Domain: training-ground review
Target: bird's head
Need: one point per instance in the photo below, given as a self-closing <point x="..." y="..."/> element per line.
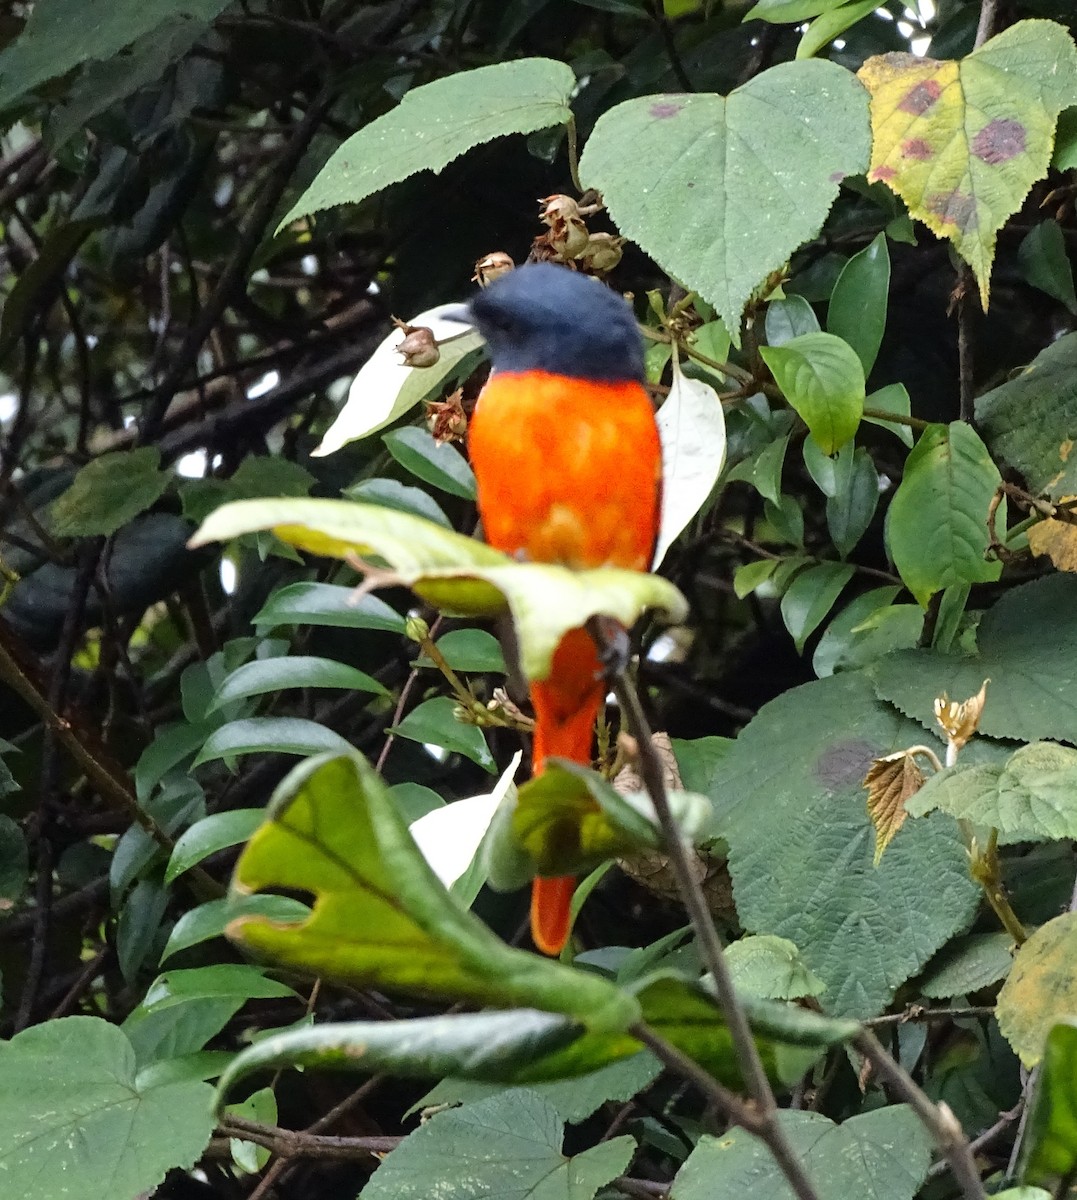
<point x="548" y="318"/>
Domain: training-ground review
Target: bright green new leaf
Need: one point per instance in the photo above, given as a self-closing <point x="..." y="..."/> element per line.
<point x="1041" y="989"/>
<point x="434" y="721"/>
<point x="72" y="1099"/>
<point x="830" y="25"/>
<point x="857" y="312"/>
<point x="789" y="12"/>
<point x="962" y="142"/>
<point x="1030" y="798"/>
<point x="1033" y="691"/>
<point x="269" y="735"/>
<point x="385" y="389"/>
<point x="883" y="1154"/>
<point x="327" y="604"/>
<point x="45" y="49"/>
<point x="436" y="123"/>
<point x="822" y="378"/>
<point x="790" y="803"/>
<point x="811" y="596"/>
<point x="108" y="492"/>
<point x="1029" y="422"/>
<point x="937" y="531"/>
<point x="382" y="918"/>
<point x="752" y="575"/>
<point x="454" y="572"/>
<point x="767" y="160"/>
<point x="292" y="671"/>
<point x="1049" y="1153"/>
<point x="505" y="1146"/>
<point x="771" y="967"/>
<point x="440" y="465"/>
<point x="212" y="833"/>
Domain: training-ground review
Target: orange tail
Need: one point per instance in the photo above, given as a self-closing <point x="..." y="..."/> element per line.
<point x="566" y="705"/>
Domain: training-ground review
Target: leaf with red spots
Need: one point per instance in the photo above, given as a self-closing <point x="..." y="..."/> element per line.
<point x="962" y="142"/>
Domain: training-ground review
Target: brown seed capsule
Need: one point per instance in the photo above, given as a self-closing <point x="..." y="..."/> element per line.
<point x="419" y="347"/>
<point x="602" y="253"/>
<point x="491" y="267"/>
<point x="446" y="418"/>
<point x="558" y="208"/>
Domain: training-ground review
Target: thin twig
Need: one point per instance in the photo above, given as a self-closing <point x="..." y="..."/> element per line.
<point x="764" y="1118"/>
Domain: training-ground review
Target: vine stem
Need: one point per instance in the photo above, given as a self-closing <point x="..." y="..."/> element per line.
<point x="761" y="1117"/>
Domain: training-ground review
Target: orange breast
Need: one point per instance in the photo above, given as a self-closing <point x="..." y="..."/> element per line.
<point x="569" y="470"/>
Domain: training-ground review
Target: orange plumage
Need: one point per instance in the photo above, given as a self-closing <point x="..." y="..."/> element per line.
<point x="569" y="472"/>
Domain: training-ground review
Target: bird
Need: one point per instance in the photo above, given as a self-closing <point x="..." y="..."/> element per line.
<point x="568" y="466"/>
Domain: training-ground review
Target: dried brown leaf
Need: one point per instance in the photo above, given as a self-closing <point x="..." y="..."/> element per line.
<point x="960" y="720"/>
<point x="890" y="781"/>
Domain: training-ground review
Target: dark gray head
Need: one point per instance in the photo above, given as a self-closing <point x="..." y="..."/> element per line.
<point x="544" y="317"/>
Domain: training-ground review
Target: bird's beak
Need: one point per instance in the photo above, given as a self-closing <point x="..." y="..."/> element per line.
<point x="460" y="313"/>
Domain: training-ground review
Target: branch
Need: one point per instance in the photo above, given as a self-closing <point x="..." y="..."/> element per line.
<point x="762" y="1118"/>
<point x="293" y="1143"/>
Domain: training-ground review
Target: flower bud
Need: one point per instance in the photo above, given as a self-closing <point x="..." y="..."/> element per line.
<point x="491" y="267"/>
<point x="416" y="629"/>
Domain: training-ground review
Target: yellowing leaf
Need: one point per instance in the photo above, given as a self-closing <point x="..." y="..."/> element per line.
<point x="890" y="781"/>
<point x="1041" y="989"/>
<point x="962" y="142"/>
<point x="1056" y="539"/>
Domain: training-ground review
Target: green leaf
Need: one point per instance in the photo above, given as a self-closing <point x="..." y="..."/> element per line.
<point x="385" y="389"/>
<point x="568" y="819"/>
<point x="1049" y="1152"/>
<point x="771" y="967"/>
<point x="691" y="423"/>
<point x="766" y="476"/>
<point x="469" y="650"/>
<point x="414" y="800"/>
<point x="937" y="525"/>
<point x="789" y="12"/>
<point x="46" y="49"/>
<point x="789" y="318"/>
<point x="1041" y="989"/>
<point x="1033" y="691"/>
<point x="796" y="826"/>
<point x="457" y="573"/>
<point x="507" y="1145"/>
<point x="962" y="142"/>
<point x="259" y="1106"/>
<point x="71" y="1098"/>
<point x="269" y="735"/>
<point x="892" y="398"/>
<point x="327" y="604"/>
<point x="434" y="721"/>
<point x="442" y="466"/>
<point x="752" y="575"/>
<point x="1044" y="264"/>
<point x="1029" y="421"/>
<point x="382" y="917"/>
<point x="1030" y="798"/>
<point x="1065" y="153"/>
<point x="967" y="964"/>
<point x="810" y="597"/>
<point x="209" y="920"/>
<point x="14" y="863"/>
<point x="109" y="492"/>
<point x="574" y="1100"/>
<point x="841" y="647"/>
<point x="226" y="981"/>
<point x="883" y="1154"/>
<point x="257" y="475"/>
<point x="857" y="312"/>
<point x="436" y="123"/>
<point x="653" y="157"/>
<point x="830" y="25"/>
<point x="391" y="493"/>
<point x="849" y="512"/>
<point x="821" y="377"/>
<point x="212" y="833"/>
<point x="786" y="519"/>
<point x="830" y="474"/>
<point x="138" y="925"/>
<point x="292" y="671"/>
